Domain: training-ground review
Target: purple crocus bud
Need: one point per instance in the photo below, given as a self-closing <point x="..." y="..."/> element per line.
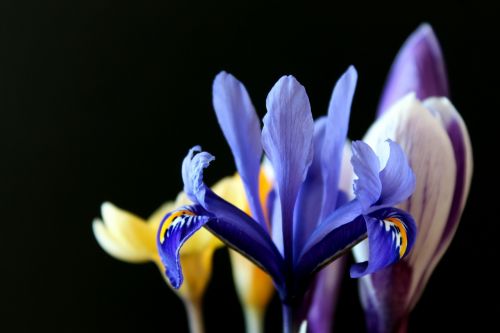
<point x="419" y="68"/>
<point x="436" y="141"/>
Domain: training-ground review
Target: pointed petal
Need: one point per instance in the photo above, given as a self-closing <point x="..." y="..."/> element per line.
<point x="419" y="67"/>
<point x="397" y="177"/>
<point x="391" y="235"/>
<point x="129" y="229"/>
<point x="241" y="127"/>
<point x="325" y="295"/>
<point x="309" y="202"/>
<point x="462" y="149"/>
<point x="287" y="138"/>
<point x="116" y="248"/>
<point x="366" y="166"/>
<point x="337" y="125"/>
<point x="231" y="225"/>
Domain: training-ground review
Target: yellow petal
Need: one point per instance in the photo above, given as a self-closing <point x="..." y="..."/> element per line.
<point x="197" y="270"/>
<point x="129" y="230"/>
<point x="116" y="248"/>
<point x="254" y="287"/>
<point x="231" y="189"/>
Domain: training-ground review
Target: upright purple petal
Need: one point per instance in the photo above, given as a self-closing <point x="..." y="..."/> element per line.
<point x="367" y="189"/>
<point x="309" y="202"/>
<point x="241" y="127"/>
<point x="397" y="177"/>
<point x="287" y="138"/>
<point x="366" y="165"/>
<point x="233" y="226"/>
<point x="337" y="125"/>
<point x="419" y="67"/>
<point x="391" y="235"/>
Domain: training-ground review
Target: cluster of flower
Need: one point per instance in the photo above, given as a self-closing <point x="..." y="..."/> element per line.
<point x="304" y="196"/>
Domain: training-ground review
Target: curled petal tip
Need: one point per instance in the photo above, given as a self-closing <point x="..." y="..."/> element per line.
<point x="192" y="173"/>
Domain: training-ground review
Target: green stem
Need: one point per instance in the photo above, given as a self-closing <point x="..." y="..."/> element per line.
<point x="195" y="316"/>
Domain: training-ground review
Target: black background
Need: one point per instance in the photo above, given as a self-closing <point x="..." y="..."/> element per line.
<point x="100" y="100"/>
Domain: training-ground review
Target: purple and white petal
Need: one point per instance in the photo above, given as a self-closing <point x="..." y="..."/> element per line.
<point x="462" y="149"/>
<point x="430" y="154"/>
<point x="419" y="68"/>
<point x="287" y="138"/>
<point x="241" y="127"/>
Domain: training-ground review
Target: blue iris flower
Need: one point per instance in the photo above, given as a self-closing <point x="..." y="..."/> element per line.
<point x="312" y="222"/>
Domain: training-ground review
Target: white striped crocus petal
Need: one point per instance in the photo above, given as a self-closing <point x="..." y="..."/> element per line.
<point x="437" y="143"/>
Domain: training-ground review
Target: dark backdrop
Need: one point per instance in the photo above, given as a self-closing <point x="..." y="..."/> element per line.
<point x="100" y="100"/>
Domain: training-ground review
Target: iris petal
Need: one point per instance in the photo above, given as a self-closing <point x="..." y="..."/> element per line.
<point x="230" y="224"/>
<point x="287" y="138"/>
<point x="391" y="235"/>
<point x="184" y="222"/>
<point x="462" y="149"/>
<point x="337" y="125"/>
<point x="241" y="127"/>
<point x="366" y="165"/>
<point x="397" y="177"/>
<point x="329" y="248"/>
<point x="308" y="207"/>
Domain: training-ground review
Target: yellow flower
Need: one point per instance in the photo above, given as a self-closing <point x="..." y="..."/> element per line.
<point x="132" y="239"/>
